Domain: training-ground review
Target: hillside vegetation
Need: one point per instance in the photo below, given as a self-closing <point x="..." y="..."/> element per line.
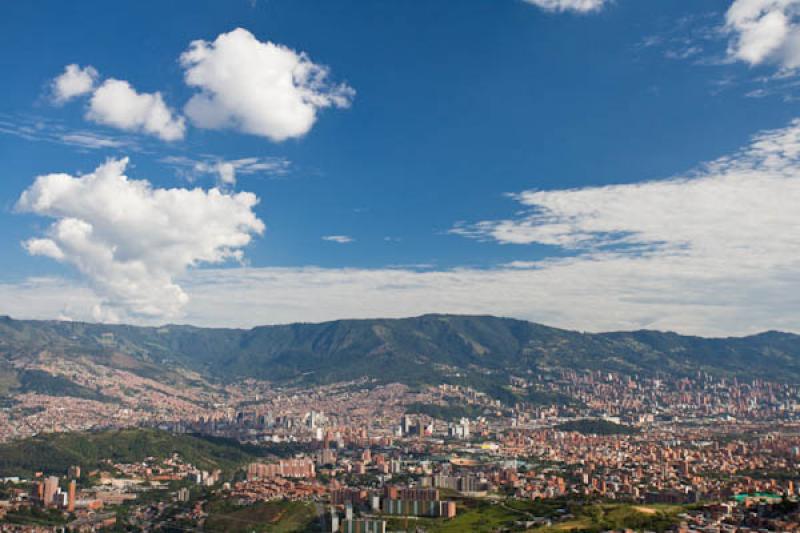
<point x="478" y="350"/>
<point x="54" y="453"/>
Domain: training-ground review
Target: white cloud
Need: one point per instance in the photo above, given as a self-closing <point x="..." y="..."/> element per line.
<point x="226" y="171"/>
<point x="47" y="297"/>
<point x="115" y="103"/>
<point x="38" y="129"/>
<point x="724" y="210"/>
<point x="90" y="140"/>
<point x="45" y="247"/>
<point x="131" y="240"/>
<point x="598" y="294"/>
<point x="257" y="87"/>
<point x="580" y="6"/>
<point x="601" y="293"/>
<point x="765" y="31"/>
<point x="340" y="239"/>
<point x="725" y="227"/>
<point x="273" y="166"/>
<point x="74" y="81"/>
<point x="712" y="253"/>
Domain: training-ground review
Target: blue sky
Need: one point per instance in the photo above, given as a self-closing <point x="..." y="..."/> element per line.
<point x="406" y="192"/>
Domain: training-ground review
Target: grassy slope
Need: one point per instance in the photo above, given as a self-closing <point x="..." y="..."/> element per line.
<point x="54" y="453"/>
<point x="481" y="516"/>
<point x="485" y="517"/>
<point x="604" y="517"/>
<point x="45" y="383"/>
<point x="275" y="517"/>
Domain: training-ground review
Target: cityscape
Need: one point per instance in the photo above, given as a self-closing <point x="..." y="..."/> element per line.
<point x="696" y="453"/>
<point x="392" y="266"/>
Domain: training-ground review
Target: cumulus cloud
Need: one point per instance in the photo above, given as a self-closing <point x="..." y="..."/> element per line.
<point x="74" y="81"/>
<point x="711" y="253"/>
<point x="339" y="239"/>
<point x="256" y="87"/>
<point x="131" y="240"/>
<point x="261" y="88"/>
<point x="579" y="6"/>
<point x="115" y="103"/>
<point x="765" y="31"/>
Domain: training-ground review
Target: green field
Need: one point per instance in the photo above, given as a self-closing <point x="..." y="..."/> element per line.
<point x="481" y="516"/>
<point x="275" y="517"/>
<point x="603" y="517"/>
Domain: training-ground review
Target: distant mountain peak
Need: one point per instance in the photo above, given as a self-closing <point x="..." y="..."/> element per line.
<point x="432" y="348"/>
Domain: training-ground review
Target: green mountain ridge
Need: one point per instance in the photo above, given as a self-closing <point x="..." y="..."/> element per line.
<point x="480" y="350"/>
<point x="54" y="453"/>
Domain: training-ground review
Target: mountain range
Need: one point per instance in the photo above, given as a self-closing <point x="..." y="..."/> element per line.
<point x="480" y="350"/>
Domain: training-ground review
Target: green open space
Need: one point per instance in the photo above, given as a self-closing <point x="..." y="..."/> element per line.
<point x="275" y="517"/>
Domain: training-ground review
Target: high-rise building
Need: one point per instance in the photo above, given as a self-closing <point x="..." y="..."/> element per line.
<point x="347" y="496"/>
<point x="406" y="424"/>
<point x="430" y="508"/>
<point x="71" y="497"/>
<point x="364" y="526"/>
<point x="334" y="520"/>
<point x="302" y="468"/>
<point x="417" y="494"/>
<point x="447" y="509"/>
<point x="50" y="490"/>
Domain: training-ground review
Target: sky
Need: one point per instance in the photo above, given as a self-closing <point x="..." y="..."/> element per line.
<point x="588" y="164"/>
